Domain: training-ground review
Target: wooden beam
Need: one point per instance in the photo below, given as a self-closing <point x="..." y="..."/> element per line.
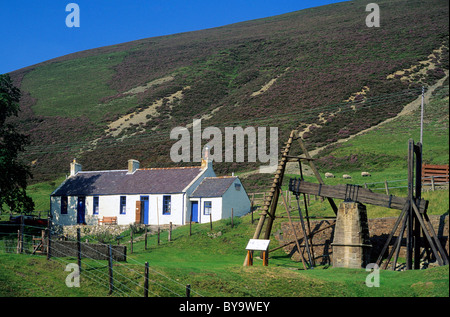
<point x="295" y="234"/>
<point x="316" y="172"/>
<point x="297" y="158"/>
<point x="301" y="239"/>
<point x="358" y="194"/>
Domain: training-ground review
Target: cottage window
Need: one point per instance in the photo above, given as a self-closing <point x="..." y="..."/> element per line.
<point x="166" y="205"/>
<point x="207" y="208"/>
<point x="63" y="205"/>
<point x="237" y="186"/>
<point x="95" y="205"/>
<point x="123" y="204"/>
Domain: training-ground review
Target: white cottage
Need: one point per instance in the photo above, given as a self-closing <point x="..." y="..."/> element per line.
<point x="218" y="197"/>
<point x="147" y="195"/>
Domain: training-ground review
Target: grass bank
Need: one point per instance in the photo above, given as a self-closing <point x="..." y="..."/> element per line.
<point x="211" y="262"/>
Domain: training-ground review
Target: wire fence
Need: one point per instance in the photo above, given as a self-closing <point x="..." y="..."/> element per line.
<point x="428" y="183"/>
<point x="130" y="278"/>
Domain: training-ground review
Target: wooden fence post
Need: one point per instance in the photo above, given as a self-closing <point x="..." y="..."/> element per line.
<point x="251" y="209"/>
<point x="386" y="187"/>
<point x="146" y="280"/>
<point x="210" y="220"/>
<point x="232" y="218"/>
<point x="131" y="241"/>
<point x="169" y="238"/>
<point x="190" y="224"/>
<point x="18" y="242"/>
<point x="145" y="235"/>
<point x="79" y="249"/>
<point x="43" y="239"/>
<point x="110" y="267"/>
<point x="22" y="228"/>
<point x="20" y="236"/>
<point x="49" y="238"/>
<point x="188" y="290"/>
<point x="159" y="233"/>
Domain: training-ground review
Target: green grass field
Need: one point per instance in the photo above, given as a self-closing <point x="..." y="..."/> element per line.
<point x="211" y="262"/>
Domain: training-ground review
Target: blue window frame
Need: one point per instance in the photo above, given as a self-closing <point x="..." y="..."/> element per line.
<point x="95" y="205"/>
<point x="207" y="207"/>
<point x="123" y="204"/>
<point x="166" y="205"/>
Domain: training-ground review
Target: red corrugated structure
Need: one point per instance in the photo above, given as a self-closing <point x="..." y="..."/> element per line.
<point x="439" y="173"/>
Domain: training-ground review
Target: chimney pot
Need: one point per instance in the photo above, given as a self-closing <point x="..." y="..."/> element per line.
<point x="74" y="167"/>
<point x="133" y="165"/>
<point x="206" y="160"/>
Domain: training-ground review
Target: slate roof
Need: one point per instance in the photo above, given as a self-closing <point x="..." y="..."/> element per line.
<point x="142" y="181"/>
<point x="213" y="186"/>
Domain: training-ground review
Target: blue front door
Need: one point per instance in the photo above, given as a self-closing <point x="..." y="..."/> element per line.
<point x="194" y="211"/>
<point x="81" y="210"/>
<point x="144" y="207"/>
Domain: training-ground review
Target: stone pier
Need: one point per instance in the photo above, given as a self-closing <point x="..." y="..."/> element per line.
<point x="351" y="244"/>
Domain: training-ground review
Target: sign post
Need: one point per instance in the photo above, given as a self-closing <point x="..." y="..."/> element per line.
<point x="257" y="245"/>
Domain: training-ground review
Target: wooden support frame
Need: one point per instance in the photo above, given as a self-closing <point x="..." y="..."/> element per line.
<point x="271" y="202"/>
<point x="414" y="220"/>
<point x="413" y="217"/>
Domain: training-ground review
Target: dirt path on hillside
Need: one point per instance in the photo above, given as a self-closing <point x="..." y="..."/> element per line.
<point x="408" y="109"/>
<point x="292" y="168"/>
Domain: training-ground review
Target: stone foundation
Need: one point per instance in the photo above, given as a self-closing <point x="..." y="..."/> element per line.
<point x="351" y="243"/>
<point x="70" y="232"/>
<point x="379" y="229"/>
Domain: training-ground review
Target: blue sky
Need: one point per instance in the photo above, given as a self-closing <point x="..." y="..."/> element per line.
<point x="35" y="31"/>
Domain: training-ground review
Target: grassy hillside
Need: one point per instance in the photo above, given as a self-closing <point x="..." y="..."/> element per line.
<point x="320" y="70"/>
<point x="385" y="147"/>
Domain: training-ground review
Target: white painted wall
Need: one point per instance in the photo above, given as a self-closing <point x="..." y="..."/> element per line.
<point x="156" y="215"/>
<point x="208" y="172"/>
<point x="221" y="206"/>
<point x="109" y="206"/>
<point x="216" y="209"/>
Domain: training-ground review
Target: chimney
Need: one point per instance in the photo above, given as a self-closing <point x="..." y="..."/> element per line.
<point x="74" y="167"/>
<point x="133" y="165"/>
<point x="206" y="160"/>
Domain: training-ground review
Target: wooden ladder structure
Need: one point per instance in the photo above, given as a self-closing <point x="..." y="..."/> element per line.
<point x="271" y="201"/>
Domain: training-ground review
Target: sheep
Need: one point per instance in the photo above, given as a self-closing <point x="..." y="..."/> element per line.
<point x="329" y="175"/>
<point x="346" y="176"/>
<point x="365" y="174"/>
